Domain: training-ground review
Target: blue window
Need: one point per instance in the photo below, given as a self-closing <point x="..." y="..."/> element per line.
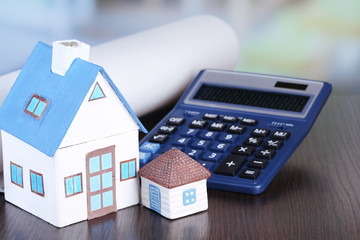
<point x="155" y="198"/>
<point x="73" y="185"/>
<point x="16" y="174"/>
<point x="37" y="183"/>
<point x="37" y="106"/>
<point x="128" y="169"/>
<point x="189" y="196"/>
<point x="97" y="93"/>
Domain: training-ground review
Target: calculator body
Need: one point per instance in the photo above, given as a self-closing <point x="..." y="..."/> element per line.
<point x="242" y="127"/>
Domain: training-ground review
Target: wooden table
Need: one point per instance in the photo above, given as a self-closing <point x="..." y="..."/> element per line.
<point x="316" y="195"/>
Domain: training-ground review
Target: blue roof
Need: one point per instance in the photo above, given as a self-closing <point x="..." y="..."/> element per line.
<point x="65" y="94"/>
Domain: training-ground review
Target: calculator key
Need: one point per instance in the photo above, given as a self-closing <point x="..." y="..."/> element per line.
<point x="211" y="156"/>
<point x="190" y="133"/>
<point x="260" y="132"/>
<point x="159" y="138"/>
<point x="215" y="126"/>
<point x="207" y="135"/>
<point x="220" y="147"/>
<point x="253" y="141"/>
<point x="209" y="166"/>
<point x="249" y="121"/>
<point x="150" y="147"/>
<point x="236" y="129"/>
<point x="231" y="165"/>
<point x="243" y="150"/>
<point x="167" y="129"/>
<point x="258" y="163"/>
<point x="211" y="116"/>
<point x="181" y="141"/>
<point x="281" y="135"/>
<point x="249" y="173"/>
<point x="144" y="156"/>
<point x="177" y="121"/>
<point x="198" y="124"/>
<point x="265" y="153"/>
<point x="200" y="144"/>
<point x="227" y="137"/>
<point x="273" y="144"/>
<point x="230" y="119"/>
<point x="194" y="153"/>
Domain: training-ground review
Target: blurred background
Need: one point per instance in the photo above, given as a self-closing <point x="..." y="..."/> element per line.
<point x="313" y="39"/>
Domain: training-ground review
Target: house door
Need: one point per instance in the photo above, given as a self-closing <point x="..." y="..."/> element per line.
<point x="155" y="198"/>
<point x="101" y="191"/>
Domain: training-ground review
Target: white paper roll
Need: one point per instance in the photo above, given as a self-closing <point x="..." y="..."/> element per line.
<point x="152" y="68"/>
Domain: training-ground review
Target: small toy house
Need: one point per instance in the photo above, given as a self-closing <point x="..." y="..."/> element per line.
<point x="174" y="185"/>
<point x="70" y="139"/>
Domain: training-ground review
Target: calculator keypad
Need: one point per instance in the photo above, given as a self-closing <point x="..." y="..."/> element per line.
<point x="228" y="145"/>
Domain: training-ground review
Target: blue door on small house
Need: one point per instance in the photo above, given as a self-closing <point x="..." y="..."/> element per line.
<point x="155" y="198"/>
<point x="100" y="165"/>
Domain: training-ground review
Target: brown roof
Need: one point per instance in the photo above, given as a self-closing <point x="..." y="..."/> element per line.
<point x="174" y="168"/>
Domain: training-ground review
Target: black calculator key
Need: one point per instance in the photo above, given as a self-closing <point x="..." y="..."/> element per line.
<point x="177" y="121"/>
<point x="167" y="129"/>
<point x="159" y="138"/>
<point x="258" y="163"/>
<point x="260" y="132"/>
<point x="211" y="116"/>
<point x="198" y="124"/>
<point x="216" y="126"/>
<point x="281" y="135"/>
<point x="253" y="141"/>
<point x="231" y="165"/>
<point x="265" y="153"/>
<point x="249" y="173"/>
<point x="230" y="119"/>
<point x="249" y="121"/>
<point x="236" y="129"/>
<point x="243" y="150"/>
<point x="273" y="144"/>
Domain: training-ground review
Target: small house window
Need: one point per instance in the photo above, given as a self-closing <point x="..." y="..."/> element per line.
<point x="36" y="106"/>
<point x="73" y="185"/>
<point x="97" y="93"/>
<point x="37" y="183"/>
<point x="128" y="169"/>
<point x="189" y="196"/>
<point x="16" y="174"/>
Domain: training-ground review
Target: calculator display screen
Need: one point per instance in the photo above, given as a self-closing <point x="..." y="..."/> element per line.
<point x="254" y="98"/>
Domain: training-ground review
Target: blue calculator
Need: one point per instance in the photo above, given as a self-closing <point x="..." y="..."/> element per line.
<point x="242" y="127"/>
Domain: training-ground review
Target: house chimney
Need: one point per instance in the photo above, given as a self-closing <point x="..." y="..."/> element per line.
<point x="65" y="52"/>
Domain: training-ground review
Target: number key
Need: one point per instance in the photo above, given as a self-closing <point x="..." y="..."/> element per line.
<point x="220" y="147"/>
<point x="190" y="133"/>
<point x="201" y="144"/>
<point x="181" y="141"/>
<point x="207" y="135"/>
<point x="211" y="156"/>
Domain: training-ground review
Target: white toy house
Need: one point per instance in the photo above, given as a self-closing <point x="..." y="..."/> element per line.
<point x="174" y="185"/>
<point x="70" y="139"/>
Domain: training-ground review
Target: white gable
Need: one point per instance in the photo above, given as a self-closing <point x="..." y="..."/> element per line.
<point x="99" y="118"/>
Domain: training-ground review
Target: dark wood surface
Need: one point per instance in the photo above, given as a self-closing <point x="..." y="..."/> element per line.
<point x="316" y="195"/>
